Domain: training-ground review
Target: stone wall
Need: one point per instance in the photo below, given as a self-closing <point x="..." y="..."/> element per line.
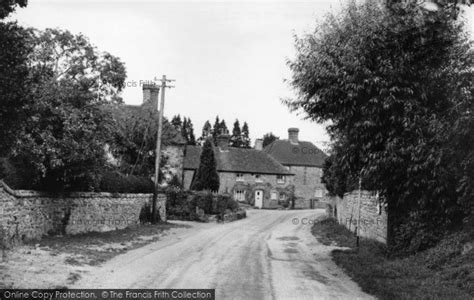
<point x="373" y="216"/>
<point x="29" y="215"/>
<point x="306" y="181"/>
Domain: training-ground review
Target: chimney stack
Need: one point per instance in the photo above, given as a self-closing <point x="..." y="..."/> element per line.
<point x="223" y="141"/>
<point x="258" y="144"/>
<point x="293" y="135"/>
<point x="150" y="94"/>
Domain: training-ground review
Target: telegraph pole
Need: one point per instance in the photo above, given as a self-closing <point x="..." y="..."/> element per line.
<point x="158" y="143"/>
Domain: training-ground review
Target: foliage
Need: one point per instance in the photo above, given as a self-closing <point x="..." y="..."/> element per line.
<point x="182" y="204"/>
<point x="205" y="201"/>
<point x="116" y="182"/>
<point x="8" y="6"/>
<point x="185" y="127"/>
<point x="442" y="272"/>
<point x="225" y="203"/>
<point x="134" y="138"/>
<point x="178" y="204"/>
<point x="61" y="143"/>
<point x="245" y="136"/>
<point x="395" y="84"/>
<point x="14" y="82"/>
<point x="207" y="177"/>
<point x="236" y="138"/>
<point x="206" y="133"/>
<point x="269" y="138"/>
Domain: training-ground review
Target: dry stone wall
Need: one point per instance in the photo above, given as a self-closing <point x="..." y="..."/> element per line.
<point x="29" y="215"/>
<point x="372" y="219"/>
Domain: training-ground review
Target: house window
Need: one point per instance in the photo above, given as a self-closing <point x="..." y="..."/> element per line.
<point x="239" y="177"/>
<point x="258" y="178"/>
<point x="280" y="179"/>
<point x="318" y="193"/>
<point x="239" y="195"/>
<point x="273" y="196"/>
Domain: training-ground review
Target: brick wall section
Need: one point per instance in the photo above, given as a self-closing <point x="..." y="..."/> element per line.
<point x="373" y="216"/>
<point x="29" y="215"/>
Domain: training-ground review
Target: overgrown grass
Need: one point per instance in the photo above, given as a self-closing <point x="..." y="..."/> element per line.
<point x="443" y="272"/>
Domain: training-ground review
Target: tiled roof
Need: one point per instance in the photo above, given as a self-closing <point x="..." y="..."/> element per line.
<point x="301" y="154"/>
<point x="237" y="160"/>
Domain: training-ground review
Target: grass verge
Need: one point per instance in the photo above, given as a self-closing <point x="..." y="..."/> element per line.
<point x="443" y="272"/>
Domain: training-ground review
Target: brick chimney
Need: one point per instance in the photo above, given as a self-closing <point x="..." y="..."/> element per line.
<point x="150" y="94"/>
<point x="293" y="135"/>
<point x="223" y="141"/>
<point x="258" y="144"/>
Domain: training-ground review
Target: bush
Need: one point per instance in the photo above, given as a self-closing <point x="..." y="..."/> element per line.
<point x="179" y="204"/>
<point x="116" y="182"/>
<point x="145" y="213"/>
<point x="204" y="201"/>
<point x="225" y="202"/>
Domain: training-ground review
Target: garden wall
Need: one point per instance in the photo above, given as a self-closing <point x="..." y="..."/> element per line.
<point x="373" y="216"/>
<point x="29" y="215"/>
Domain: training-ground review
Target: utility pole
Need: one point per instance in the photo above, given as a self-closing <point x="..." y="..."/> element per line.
<point x="158" y="143"/>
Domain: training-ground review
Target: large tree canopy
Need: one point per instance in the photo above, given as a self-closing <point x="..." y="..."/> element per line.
<point x="14" y="82"/>
<point x="8" y="6"/>
<point x="395" y="82"/>
<point x="62" y="141"/>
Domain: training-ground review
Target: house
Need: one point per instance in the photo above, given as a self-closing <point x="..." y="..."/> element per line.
<point x="305" y="161"/>
<point x="250" y="175"/>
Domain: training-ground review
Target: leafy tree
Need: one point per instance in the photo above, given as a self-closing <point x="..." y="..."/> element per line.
<point x="216" y="129"/>
<point x="62" y="141"/>
<point x="236" y="138"/>
<point x="269" y="138"/>
<point x="395" y="82"/>
<point x="223" y="128"/>
<point x="15" y="82"/>
<point x="206" y="132"/>
<point x="245" y="136"/>
<point x="187" y="131"/>
<point x="8" y="6"/>
<point x="190" y="137"/>
<point x="176" y="122"/>
<point x="134" y="139"/>
<point x="207" y="177"/>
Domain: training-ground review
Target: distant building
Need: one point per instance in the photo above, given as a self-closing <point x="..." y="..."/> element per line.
<point x="305" y="161"/>
<point x="250" y="175"/>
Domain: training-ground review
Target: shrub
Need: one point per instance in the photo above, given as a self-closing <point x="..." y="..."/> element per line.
<point x="145" y="213"/>
<point x="179" y="204"/>
<point x="204" y="200"/>
<point x="225" y="202"/>
<point x="116" y="182"/>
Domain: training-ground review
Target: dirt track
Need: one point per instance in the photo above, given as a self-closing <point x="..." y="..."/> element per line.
<point x="262" y="257"/>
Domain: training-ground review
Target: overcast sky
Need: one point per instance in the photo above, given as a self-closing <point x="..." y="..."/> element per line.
<point x="228" y="58"/>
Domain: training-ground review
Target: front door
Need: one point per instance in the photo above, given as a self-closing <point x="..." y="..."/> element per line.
<point x="259" y="198"/>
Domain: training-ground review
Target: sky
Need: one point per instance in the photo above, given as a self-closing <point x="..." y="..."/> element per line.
<point x="228" y="57"/>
